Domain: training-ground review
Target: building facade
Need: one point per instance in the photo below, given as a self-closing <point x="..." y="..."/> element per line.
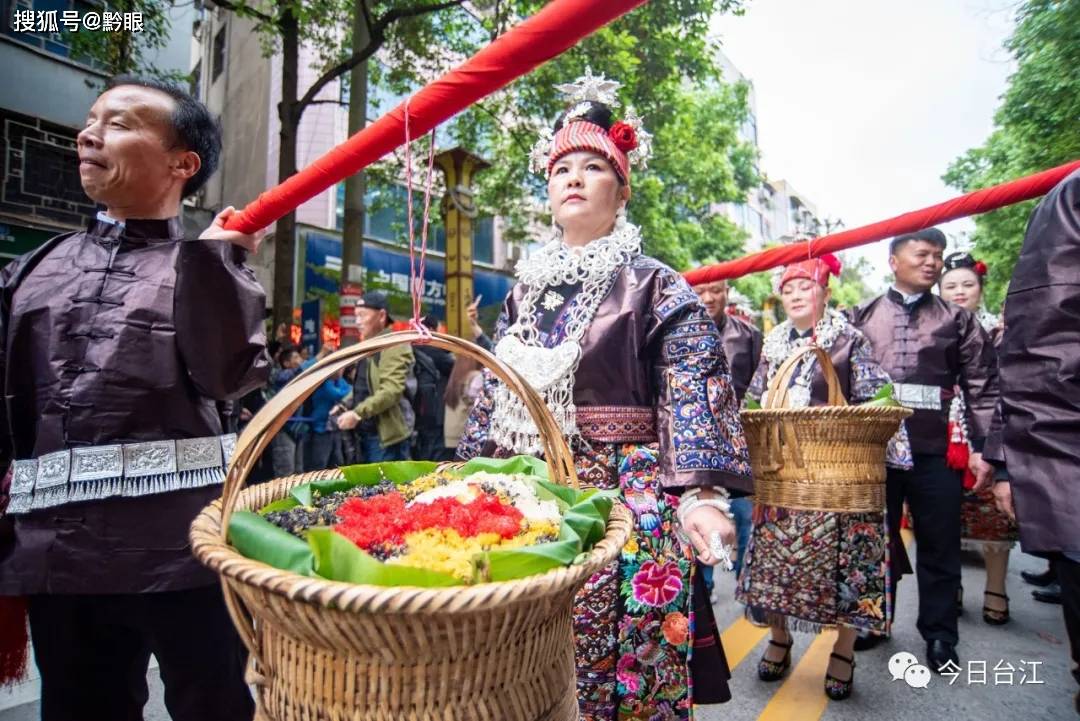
<point x="44" y="99"/>
<point x="773" y="212"/>
<point x="242" y="85"/>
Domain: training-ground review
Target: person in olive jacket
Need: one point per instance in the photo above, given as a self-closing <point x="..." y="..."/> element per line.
<point x="387" y="375"/>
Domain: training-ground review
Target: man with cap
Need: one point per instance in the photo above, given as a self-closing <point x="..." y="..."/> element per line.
<point x="928" y="347"/>
<point x="386" y="375"/>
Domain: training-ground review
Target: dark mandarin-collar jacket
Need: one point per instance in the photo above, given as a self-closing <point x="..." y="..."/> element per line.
<point x="934" y="343"/>
<point x="742" y="346"/>
<point x="120" y="334"/>
<point x="1038" y="428"/>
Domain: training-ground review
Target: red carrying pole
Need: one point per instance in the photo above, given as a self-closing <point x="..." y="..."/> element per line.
<point x="979" y="201"/>
<point x="552" y="31"/>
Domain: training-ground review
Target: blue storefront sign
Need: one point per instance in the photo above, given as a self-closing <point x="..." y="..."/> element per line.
<point x="388" y="270"/>
<point x="311" y="325"/>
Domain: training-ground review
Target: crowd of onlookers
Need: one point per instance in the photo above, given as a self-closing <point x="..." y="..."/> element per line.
<point x="403" y="403"/>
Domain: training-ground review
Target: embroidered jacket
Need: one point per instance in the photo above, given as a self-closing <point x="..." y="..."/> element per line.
<point x="860" y="376"/>
<point x="650" y="346"/>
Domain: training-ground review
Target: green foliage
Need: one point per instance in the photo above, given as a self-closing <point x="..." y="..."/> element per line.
<point x="851" y="287"/>
<point x="661" y="53"/>
<point x="1037" y="126"/>
<point x="125" y="52"/>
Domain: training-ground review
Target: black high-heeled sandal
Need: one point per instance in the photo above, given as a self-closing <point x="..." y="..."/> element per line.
<point x="993" y="616"/>
<point x="836" y="689"/>
<point x="774" y="670"/>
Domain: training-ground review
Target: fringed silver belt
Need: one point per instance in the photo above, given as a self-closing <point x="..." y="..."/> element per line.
<point x="129" y="469"/>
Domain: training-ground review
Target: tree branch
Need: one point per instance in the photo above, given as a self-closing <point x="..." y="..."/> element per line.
<point x="378" y="37"/>
<point x="412" y="11"/>
<point x="329" y="102"/>
<point x="367" y="15"/>
<point x="243" y="10"/>
<point x="515" y="134"/>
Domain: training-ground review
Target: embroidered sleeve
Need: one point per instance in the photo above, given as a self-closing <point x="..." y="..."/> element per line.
<point x="867" y="378"/>
<point x="701" y="437"/>
<point x="475" y="437"/>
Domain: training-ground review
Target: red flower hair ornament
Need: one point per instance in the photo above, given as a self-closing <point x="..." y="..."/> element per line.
<point x="980" y="268"/>
<point x="624" y="136"/>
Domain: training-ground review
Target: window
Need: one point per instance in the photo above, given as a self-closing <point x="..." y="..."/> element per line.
<point x="219" y="53"/>
<point x="344" y="87"/>
<point x="484" y="240"/>
<point x="386" y="217"/>
<point x="339" y="206"/>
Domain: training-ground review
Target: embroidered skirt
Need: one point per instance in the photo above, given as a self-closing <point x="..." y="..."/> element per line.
<point x="817" y="569"/>
<point x="983" y="526"/>
<point x="646" y="640"/>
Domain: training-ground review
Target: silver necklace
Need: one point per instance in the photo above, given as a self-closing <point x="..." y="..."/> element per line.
<point x="551" y="371"/>
<point x="778" y="346"/>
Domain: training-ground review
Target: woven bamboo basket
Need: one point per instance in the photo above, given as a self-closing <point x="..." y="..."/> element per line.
<point x="327" y="650"/>
<point x="822" y="458"/>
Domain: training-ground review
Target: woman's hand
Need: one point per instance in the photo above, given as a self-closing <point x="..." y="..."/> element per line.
<point x="700" y="525"/>
<point x="472" y="312"/>
<point x="1003" y="499"/>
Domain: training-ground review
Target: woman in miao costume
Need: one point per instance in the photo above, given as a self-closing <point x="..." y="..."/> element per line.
<point x="811" y="570"/>
<point x="631" y="366"/>
<point x="982" y="526"/>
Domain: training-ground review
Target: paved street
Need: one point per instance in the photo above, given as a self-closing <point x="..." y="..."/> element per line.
<point x="1036" y="633"/>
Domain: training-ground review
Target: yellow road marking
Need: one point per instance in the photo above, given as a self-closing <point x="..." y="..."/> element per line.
<point x="739" y="639"/>
<point x="802" y="695"/>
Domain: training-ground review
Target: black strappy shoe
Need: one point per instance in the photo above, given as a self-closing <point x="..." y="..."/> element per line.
<point x="993" y="616"/>
<point x="774" y="670"/>
<point x="836" y="689"/>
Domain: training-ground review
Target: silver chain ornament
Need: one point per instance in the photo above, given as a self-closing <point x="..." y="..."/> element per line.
<point x="551" y="371"/>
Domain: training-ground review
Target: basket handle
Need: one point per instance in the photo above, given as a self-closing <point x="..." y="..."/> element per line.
<point x="272" y="416"/>
<point x="777" y="396"/>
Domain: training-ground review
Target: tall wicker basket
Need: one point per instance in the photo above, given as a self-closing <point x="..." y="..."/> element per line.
<point x="824" y="458"/>
<point x="327" y="650"/>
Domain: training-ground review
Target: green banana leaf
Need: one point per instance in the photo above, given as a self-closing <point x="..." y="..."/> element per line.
<point x="883" y="398"/>
<point x="258" y="539"/>
<point x="282" y="504"/>
<point x="329" y="555"/>
<point x="528" y="465"/>
<point x="582" y="526"/>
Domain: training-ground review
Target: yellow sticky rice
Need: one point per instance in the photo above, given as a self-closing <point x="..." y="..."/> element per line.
<point x="445" y="550"/>
<point x="425" y="483"/>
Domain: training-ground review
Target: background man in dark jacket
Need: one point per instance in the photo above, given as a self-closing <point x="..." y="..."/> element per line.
<point x="1036" y="432"/>
<point x="929" y="347"/>
<point x="117" y="342"/>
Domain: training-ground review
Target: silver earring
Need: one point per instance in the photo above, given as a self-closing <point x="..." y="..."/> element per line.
<point x="620" y="216"/>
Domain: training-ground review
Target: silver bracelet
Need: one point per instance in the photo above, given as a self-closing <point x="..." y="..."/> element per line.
<point x="721" y="504"/>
